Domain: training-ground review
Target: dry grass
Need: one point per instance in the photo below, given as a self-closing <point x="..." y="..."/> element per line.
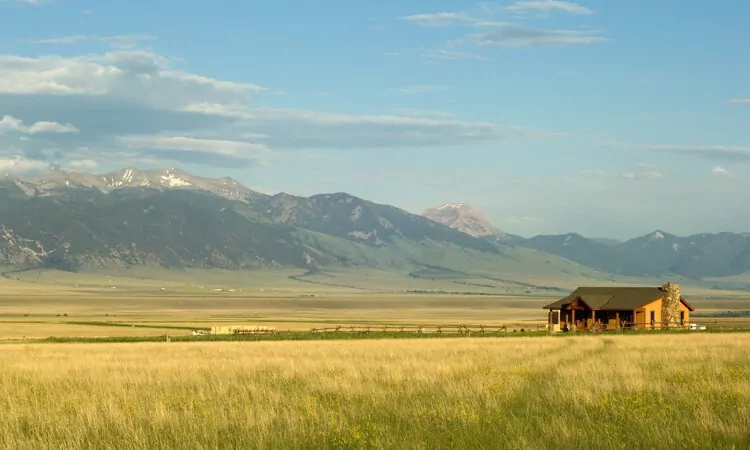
<point x="662" y="391"/>
<point x="25" y="330"/>
<point x="45" y="314"/>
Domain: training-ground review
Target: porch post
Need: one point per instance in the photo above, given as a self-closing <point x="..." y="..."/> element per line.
<point x="617" y="318"/>
<point x="573" y="319"/>
<point x="593" y="319"/>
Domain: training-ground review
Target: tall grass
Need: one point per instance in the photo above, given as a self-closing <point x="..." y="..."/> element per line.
<point x="650" y="391"/>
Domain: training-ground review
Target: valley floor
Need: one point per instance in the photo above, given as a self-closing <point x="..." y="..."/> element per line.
<point x="57" y="304"/>
<point x="689" y="390"/>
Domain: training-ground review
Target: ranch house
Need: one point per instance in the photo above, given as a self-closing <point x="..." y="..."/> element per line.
<point x="610" y="308"/>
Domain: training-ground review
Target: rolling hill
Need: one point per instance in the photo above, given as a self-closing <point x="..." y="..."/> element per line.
<point x="170" y="219"/>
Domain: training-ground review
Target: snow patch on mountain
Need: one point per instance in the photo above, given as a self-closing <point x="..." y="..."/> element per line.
<point x="356" y="214"/>
<point x="171" y="180"/>
<point x="451" y="205"/>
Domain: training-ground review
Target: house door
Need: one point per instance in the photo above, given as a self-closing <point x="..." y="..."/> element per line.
<point x="640" y="318"/>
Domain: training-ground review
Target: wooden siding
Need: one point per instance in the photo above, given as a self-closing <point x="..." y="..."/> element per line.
<point x="655" y="307"/>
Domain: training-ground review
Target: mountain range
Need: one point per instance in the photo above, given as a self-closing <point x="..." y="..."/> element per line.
<point x="656" y="254"/>
<point x="169" y="218"/>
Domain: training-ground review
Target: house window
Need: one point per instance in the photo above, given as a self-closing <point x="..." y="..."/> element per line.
<point x="653" y="317"/>
<point x="682" y="317"/>
<point x="555" y="317"/>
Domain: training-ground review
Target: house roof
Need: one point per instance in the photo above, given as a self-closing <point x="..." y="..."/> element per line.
<point x="614" y="298"/>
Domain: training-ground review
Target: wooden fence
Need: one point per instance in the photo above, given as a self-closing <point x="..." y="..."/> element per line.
<point x="493" y="329"/>
<point x="244" y="331"/>
<point x="429" y="329"/>
<point x="632" y="326"/>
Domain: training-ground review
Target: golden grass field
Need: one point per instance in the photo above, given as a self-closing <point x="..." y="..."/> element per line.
<point x="618" y="391"/>
<point x="640" y="391"/>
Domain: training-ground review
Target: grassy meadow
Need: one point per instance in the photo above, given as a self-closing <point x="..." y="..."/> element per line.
<point x="43" y="304"/>
<point x="661" y="391"/>
<point x="56" y="304"/>
<point x="687" y="390"/>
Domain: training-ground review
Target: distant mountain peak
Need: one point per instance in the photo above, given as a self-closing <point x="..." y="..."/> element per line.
<point x="57" y="180"/>
<point x="462" y="217"/>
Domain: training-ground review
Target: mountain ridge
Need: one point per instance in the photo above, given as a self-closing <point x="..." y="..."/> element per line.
<point x="170" y="218"/>
<point x="76" y="221"/>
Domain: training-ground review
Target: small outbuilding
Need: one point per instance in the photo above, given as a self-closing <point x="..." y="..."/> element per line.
<point x="610" y="308"/>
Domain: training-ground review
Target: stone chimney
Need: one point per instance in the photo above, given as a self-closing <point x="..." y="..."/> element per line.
<point x="670" y="310"/>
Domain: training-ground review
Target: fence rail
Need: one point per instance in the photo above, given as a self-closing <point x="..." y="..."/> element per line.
<point x="494" y="329"/>
<point x="429" y="329"/>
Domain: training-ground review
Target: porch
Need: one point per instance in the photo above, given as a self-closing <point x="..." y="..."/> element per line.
<point x="586" y="319"/>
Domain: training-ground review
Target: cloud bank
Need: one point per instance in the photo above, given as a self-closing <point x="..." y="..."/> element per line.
<point x="133" y="106"/>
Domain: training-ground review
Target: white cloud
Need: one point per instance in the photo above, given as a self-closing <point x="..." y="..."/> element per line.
<point x="651" y="173"/>
<point x="124" y="41"/>
<point x="506" y="34"/>
<point x="512" y="35"/>
<point x="314" y="129"/>
<point x="135" y="76"/>
<point x="133" y="105"/>
<point x="420" y="89"/>
<point x="549" y="6"/>
<point x="721" y="172"/>
<point x="82" y="164"/>
<point x="11" y="124"/>
<point x="452" y="55"/>
<point x="439" y="19"/>
<point x="411" y="112"/>
<point x="28" y="2"/>
<point x="733" y="152"/>
<point x="740" y="101"/>
<point x="254" y="136"/>
<point x="240" y="150"/>
<point x="20" y="165"/>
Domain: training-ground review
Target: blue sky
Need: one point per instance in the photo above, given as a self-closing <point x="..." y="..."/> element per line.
<point x="601" y="117"/>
